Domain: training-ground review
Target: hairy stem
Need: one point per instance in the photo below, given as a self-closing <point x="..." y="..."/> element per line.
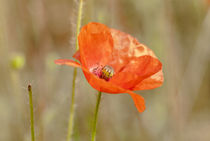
<point x="72" y="106"/>
<point x="79" y="19"/>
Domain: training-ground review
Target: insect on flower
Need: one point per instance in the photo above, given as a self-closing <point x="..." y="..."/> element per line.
<point x="115" y="62"/>
<point x="107" y="72"/>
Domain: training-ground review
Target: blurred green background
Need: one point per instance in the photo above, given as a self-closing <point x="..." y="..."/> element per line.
<point x="33" y="33"/>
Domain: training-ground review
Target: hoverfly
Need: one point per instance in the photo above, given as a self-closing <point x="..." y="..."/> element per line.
<point x="107" y="72"/>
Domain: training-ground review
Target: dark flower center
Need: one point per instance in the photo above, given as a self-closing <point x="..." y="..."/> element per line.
<point x="104" y="72"/>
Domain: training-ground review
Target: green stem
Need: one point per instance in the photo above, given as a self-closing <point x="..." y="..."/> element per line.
<point x="93" y="137"/>
<point x="72" y="106"/>
<point x="71" y="116"/>
<point x="31" y="112"/>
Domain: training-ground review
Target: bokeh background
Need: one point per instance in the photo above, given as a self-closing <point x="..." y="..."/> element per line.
<point x="33" y="33"/>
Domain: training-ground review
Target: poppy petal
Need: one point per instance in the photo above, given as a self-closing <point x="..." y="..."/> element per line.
<point x="77" y="55"/>
<point x="132" y="61"/>
<point x="143" y="66"/>
<point x="95" y="44"/>
<point x="102" y="85"/>
<point x="151" y="82"/>
<point x="125" y="80"/>
<point x="67" y="62"/>
<point x="136" y="71"/>
<point x="138" y="101"/>
<point x="126" y="49"/>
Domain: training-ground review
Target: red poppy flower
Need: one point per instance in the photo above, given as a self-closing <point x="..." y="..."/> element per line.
<point x="103" y="50"/>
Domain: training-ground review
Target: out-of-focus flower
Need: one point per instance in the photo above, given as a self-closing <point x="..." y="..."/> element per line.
<point x="115" y="62"/>
<point x="208" y="2"/>
<point x="17" y="61"/>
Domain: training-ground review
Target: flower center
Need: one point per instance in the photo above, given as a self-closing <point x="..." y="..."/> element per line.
<point x="104" y="72"/>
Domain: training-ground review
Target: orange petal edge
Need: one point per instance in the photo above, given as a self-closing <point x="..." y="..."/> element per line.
<point x="138" y="101"/>
<point x="67" y="62"/>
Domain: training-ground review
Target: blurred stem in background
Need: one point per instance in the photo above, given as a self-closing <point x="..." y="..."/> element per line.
<point x="93" y="137"/>
<point x="72" y="106"/>
<point x="31" y="112"/>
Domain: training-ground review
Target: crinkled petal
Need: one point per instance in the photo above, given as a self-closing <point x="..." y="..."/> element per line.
<point x="127" y="49"/>
<point x="132" y="61"/>
<point x="136" y="71"/>
<point x="143" y="66"/>
<point x="151" y="82"/>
